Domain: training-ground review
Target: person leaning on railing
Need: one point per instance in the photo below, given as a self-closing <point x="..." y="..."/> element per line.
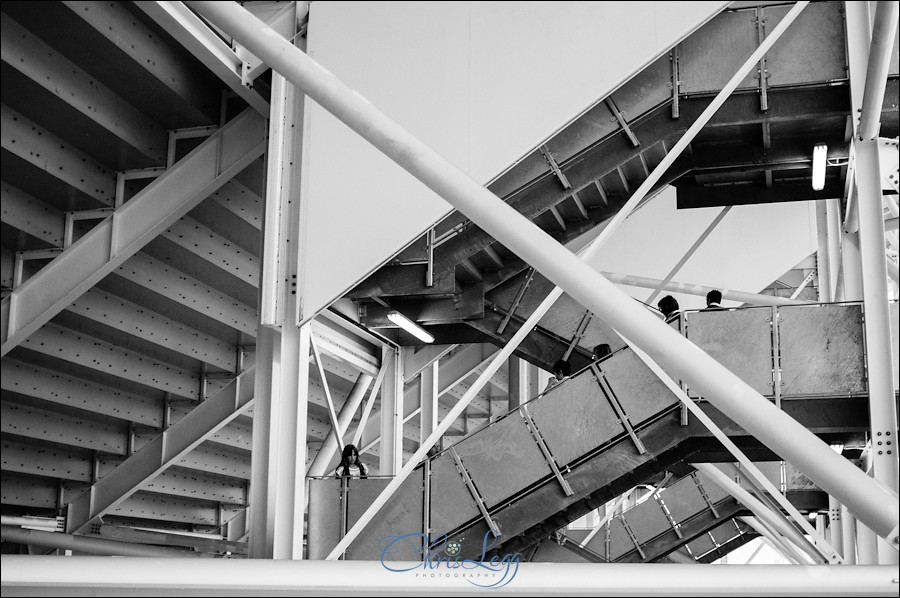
<point x="350" y="465"/>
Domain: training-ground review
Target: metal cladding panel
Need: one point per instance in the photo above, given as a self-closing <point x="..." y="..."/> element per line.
<point x="724" y="532"/>
<point x="402" y="515"/>
<point x="647" y="520"/>
<point x="683" y="499"/>
<point x="713" y="490"/>
<point x="573" y="139"/>
<point x="574" y="418"/>
<point x="325" y="511"/>
<point x="822" y="350"/>
<point x="646" y="90"/>
<point x="640" y="392"/>
<point x="812" y="49"/>
<point x="503" y="459"/>
<point x="619" y="541"/>
<point x="702" y="70"/>
<point x="741" y="340"/>
<point x="451" y="502"/>
<point x="701" y="545"/>
<point x="551" y="552"/>
<point x="563" y="320"/>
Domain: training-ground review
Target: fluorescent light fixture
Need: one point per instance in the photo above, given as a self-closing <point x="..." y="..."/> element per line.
<point x="411" y="327"/>
<point x="820" y="153"/>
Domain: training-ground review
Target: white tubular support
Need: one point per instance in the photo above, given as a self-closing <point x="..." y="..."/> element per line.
<point x="89" y="545"/>
<point x="872" y="504"/>
<point x="141" y="576"/>
<point x="319" y="466"/>
<point x="884" y="29"/>
<point x="761" y="511"/>
<point x="696" y="289"/>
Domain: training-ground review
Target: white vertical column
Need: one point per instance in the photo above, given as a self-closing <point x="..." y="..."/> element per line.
<point x="833" y="218"/>
<point x="835" y="525"/>
<point x="848" y="533"/>
<point x="851" y="265"/>
<point x="428" y="396"/>
<point x="518" y="381"/>
<point x="823" y="258"/>
<point x="882" y="411"/>
<point x="391" y="446"/>
<point x="278" y="488"/>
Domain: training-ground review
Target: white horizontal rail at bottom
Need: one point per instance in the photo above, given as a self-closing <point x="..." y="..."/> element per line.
<point x="20" y="575"/>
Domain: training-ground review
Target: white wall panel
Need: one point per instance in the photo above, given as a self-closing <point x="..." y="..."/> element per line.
<point x="481" y="82"/>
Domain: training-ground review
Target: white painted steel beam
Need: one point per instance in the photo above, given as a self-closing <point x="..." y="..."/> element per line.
<point x="166" y="280"/>
<point x="168" y="448"/>
<point x="31" y="215"/>
<point x="281" y="420"/>
<point x="150" y="53"/>
<point x="88" y="351"/>
<point x="65" y="390"/>
<point x="392" y="415"/>
<point x="46" y="67"/>
<point x="209" y="245"/>
<point x="151" y="327"/>
<point x="48" y="425"/>
<point x="195" y="35"/>
<point x="20" y="458"/>
<point x="109" y="244"/>
<point x="726" y="391"/>
<point x="240" y="201"/>
<point x="347" y="349"/>
<point x="57" y="157"/>
<point x="81" y="574"/>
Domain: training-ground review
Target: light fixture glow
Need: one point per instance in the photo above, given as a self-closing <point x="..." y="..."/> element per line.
<point x="411" y="327"/>
<point x="837" y="447"/>
<point x="820" y="153"/>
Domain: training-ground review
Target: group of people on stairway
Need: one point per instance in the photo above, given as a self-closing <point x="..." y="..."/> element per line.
<point x="670" y="310"/>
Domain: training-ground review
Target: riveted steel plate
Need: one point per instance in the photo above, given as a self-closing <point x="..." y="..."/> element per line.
<point x="683" y="499"/>
<point x="821" y="350"/>
<point x="401" y="515"/>
<point x="811" y="50"/>
<point x="701" y="545"/>
<point x="703" y="69"/>
<point x="724" y="532"/>
<point x="640" y="392"/>
<point x="619" y="541"/>
<point x="741" y="340"/>
<point x="503" y="459"/>
<point x="325" y="512"/>
<point x="451" y="502"/>
<point x="647" y="520"/>
<point x="574" y="418"/>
